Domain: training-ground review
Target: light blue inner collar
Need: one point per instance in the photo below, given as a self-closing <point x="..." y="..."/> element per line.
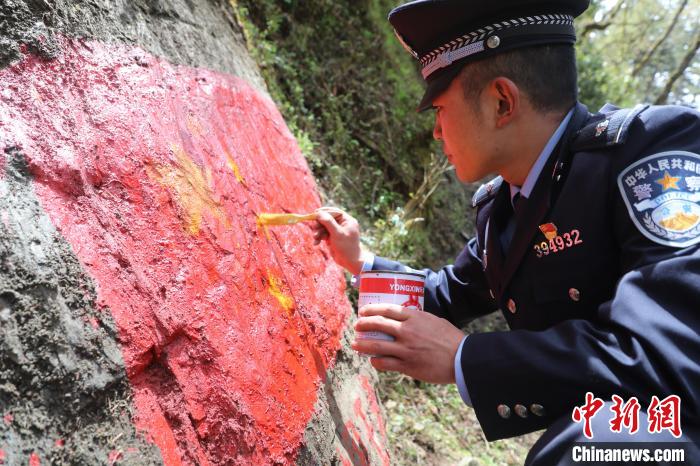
<point x="526" y="189"/>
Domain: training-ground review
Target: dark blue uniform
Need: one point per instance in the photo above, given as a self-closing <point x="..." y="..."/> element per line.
<point x="601" y="282"/>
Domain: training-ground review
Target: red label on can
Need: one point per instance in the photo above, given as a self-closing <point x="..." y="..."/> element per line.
<point x="391" y="286"/>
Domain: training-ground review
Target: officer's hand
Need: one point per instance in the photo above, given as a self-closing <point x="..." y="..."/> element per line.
<point x="342" y="233"/>
<point x="425" y="345"/>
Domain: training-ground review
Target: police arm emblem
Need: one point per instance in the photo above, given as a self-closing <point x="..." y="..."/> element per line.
<point x="662" y="195"/>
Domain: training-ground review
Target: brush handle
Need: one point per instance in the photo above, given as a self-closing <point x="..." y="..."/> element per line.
<point x="285" y="219"/>
<point x="296" y="218"/>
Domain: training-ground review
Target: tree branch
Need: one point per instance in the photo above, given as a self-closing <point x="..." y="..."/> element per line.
<point x="647" y="56"/>
<point x="605" y="22"/>
<point x="683" y="65"/>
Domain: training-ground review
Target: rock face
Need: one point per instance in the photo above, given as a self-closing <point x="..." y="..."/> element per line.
<point x="146" y="317"/>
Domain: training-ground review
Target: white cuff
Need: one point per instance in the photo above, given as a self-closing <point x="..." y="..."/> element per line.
<point x="459" y="376"/>
<point x="366" y="267"/>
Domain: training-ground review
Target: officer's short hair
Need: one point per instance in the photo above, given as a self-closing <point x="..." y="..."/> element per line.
<point x="531" y="69"/>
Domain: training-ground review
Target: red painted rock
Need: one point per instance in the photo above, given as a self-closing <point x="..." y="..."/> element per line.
<point x="155" y="175"/>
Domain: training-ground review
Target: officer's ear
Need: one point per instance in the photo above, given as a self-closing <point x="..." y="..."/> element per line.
<point x="504" y="98"/>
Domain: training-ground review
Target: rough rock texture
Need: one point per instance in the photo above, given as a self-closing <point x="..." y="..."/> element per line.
<point x="199" y="33"/>
<point x="141" y="303"/>
<point x="63" y="392"/>
<point x="348" y="424"/>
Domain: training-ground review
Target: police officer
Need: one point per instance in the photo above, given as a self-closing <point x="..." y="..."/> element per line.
<point x="587" y="240"/>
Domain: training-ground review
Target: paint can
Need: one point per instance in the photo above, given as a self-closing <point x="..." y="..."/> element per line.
<point x="389" y="287"/>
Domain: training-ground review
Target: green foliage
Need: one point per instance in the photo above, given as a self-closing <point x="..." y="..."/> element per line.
<point x="629" y="51"/>
<point x="598" y="83"/>
<point x="429" y="425"/>
<point x="391" y="237"/>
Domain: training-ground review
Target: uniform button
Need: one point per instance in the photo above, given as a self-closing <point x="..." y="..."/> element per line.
<point x="520" y="410"/>
<point x="503" y="411"/>
<point x="537" y="410"/>
<point x="574" y="294"/>
<point x="511" y="306"/>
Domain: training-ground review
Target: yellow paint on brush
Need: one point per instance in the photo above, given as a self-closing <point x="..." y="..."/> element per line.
<point x="190" y="188"/>
<point x="275" y="289"/>
<point x="285" y="218"/>
<point x="265" y="220"/>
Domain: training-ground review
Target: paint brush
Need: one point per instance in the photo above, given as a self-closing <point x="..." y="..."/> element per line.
<point x="285" y="219"/>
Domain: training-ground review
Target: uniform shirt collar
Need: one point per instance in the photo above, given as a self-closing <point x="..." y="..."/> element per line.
<point x="526" y="189"/>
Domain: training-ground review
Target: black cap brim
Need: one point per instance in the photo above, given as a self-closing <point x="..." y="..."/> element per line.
<point x="438" y="85"/>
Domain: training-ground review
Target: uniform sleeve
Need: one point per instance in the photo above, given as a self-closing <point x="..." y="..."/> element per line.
<point x="643" y="342"/>
<point x="458" y="292"/>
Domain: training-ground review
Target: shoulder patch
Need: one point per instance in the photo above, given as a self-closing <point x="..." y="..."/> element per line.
<point x="486" y="191"/>
<point x="662" y="194"/>
<point x="609" y="128"/>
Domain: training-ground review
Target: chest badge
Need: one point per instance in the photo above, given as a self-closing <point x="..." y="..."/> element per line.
<point x="662" y="195"/>
<point x="556" y="241"/>
<point x="549" y="230"/>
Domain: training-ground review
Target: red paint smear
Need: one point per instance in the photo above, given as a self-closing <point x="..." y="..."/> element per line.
<point x="34" y="460"/>
<point x="353" y="437"/>
<point x="59" y="443"/>
<point x="343" y="457"/>
<point x="378" y="445"/>
<point x="374" y="408"/>
<point x="132" y="159"/>
<point x="369" y="429"/>
<point x="93" y="322"/>
<point x="114" y="456"/>
<point x="8" y="418"/>
<point x="2" y="456"/>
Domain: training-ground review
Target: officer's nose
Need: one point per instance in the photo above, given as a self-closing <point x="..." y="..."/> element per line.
<point x="437" y="129"/>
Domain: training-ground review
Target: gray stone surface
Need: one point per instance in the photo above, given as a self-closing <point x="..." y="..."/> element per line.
<point x="64" y="395"/>
<point x="199" y="33"/>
